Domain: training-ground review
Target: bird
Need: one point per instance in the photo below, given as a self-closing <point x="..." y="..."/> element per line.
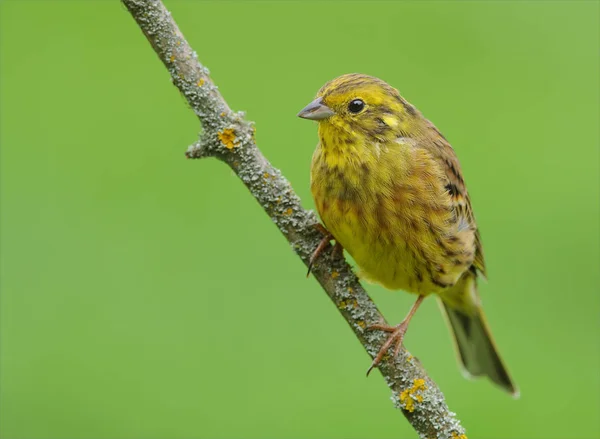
<point x="389" y="190"/>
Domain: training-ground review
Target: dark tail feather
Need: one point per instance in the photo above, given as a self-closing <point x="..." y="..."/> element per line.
<point x="476" y="348"/>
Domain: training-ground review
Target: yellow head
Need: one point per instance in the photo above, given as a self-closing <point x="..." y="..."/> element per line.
<point x="356" y="105"/>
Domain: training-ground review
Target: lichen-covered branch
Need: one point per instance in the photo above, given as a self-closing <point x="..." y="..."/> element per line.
<point x="229" y="137"/>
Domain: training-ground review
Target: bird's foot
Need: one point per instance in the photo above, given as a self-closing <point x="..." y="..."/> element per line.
<point x="396" y="337"/>
<point x="397" y="334"/>
<point x="327" y="237"/>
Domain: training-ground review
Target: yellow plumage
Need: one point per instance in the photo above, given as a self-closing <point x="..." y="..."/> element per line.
<point x="389" y="188"/>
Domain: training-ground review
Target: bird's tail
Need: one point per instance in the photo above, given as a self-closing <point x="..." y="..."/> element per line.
<point x="472" y="338"/>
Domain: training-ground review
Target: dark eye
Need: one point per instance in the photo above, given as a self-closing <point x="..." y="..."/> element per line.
<point x="356" y="106"/>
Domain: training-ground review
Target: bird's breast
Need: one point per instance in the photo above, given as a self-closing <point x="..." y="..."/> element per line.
<point x="389" y="212"/>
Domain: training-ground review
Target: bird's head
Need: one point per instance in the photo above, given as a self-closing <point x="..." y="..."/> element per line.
<point x="360" y="105"/>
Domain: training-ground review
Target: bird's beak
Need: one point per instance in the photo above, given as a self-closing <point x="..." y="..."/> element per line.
<point x="316" y="110"/>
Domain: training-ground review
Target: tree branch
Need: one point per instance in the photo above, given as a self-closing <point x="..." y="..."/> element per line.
<point x="230" y="138"/>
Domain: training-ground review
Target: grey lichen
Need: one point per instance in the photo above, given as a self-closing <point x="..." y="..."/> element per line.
<point x="229" y="137"/>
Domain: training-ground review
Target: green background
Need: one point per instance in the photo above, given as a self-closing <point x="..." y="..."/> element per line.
<point x="149" y="296"/>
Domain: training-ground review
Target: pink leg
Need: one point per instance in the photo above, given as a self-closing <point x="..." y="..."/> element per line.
<point x="327" y="237"/>
<point x="397" y="334"/>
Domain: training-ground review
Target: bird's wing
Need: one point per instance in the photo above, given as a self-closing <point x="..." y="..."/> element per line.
<point x="445" y="156"/>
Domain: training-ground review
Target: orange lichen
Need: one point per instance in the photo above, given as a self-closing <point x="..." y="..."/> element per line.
<point x="288" y="211"/>
<point x="172" y="58"/>
<point x="266" y="175"/>
<point x="335" y="275"/>
<point x="222" y="114"/>
<point x="362" y="324"/>
<point x="455" y="435"/>
<point x="408" y="397"/>
<point x="200" y="82"/>
<point x="227" y="138"/>
<point x="350" y="290"/>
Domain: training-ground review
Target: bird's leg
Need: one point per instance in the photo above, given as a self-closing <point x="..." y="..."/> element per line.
<point x="324" y="243"/>
<point x="327" y="237"/>
<point x="397" y="334"/>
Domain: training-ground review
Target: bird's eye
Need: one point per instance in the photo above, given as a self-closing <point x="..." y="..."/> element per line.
<point x="356" y="106"/>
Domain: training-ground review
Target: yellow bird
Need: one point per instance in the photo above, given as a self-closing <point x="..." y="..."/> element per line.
<point x="389" y="189"/>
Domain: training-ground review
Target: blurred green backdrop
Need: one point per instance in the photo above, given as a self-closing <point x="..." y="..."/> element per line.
<point x="145" y="295"/>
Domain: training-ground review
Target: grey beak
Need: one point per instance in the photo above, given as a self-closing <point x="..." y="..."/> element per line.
<point x="316" y="110"/>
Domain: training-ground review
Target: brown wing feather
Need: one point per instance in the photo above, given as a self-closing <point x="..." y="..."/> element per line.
<point x="440" y="149"/>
